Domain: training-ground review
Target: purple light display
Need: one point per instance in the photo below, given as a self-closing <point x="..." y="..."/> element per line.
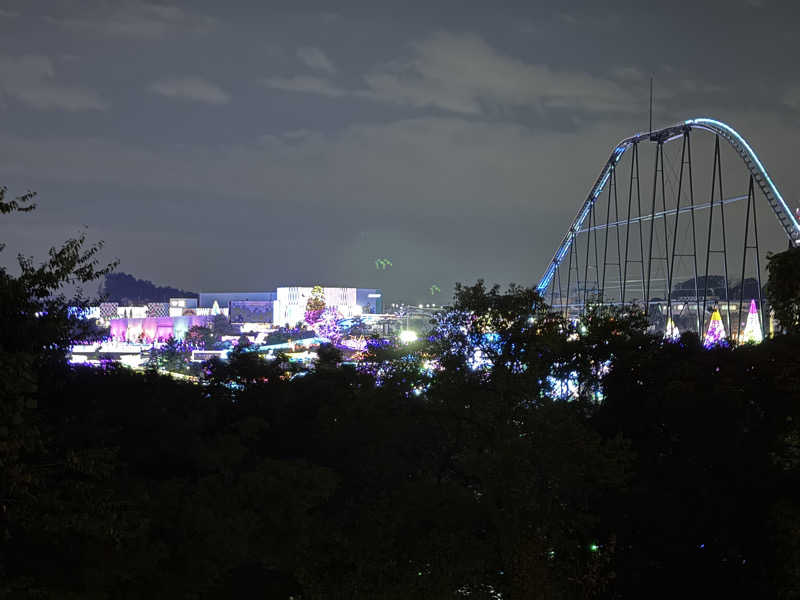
<point x="155" y="329"/>
<point x="716" y="331"/>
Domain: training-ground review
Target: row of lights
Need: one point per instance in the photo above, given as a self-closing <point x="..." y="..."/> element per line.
<point x="400" y="305"/>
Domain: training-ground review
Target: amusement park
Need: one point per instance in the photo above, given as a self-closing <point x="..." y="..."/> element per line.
<point x="674" y="243"/>
<point x="391" y="301"/>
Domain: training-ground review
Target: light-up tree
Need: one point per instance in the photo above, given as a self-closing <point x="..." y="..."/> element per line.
<point x="716" y="331"/>
<point x="752" y="329"/>
<point x="671" y="333"/>
<point x="315" y="305"/>
<point x="327" y="325"/>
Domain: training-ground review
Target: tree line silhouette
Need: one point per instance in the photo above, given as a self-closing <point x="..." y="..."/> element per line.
<point x="448" y="468"/>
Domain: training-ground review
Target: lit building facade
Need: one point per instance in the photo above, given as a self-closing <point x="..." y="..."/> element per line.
<point x="155" y="329"/>
<point x="223" y="299"/>
<point x="158" y="321"/>
<point x="290" y="303"/>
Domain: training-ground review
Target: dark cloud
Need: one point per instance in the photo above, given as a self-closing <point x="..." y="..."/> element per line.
<point x="315" y="59"/>
<point x="130" y="18"/>
<point x="461" y="73"/>
<point x="31" y="80"/>
<point x="305" y="84"/>
<point x="190" y="88"/>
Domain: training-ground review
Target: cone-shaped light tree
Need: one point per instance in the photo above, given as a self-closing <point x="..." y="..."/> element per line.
<point x="671" y="333"/>
<point x="752" y="330"/>
<point x="716" y="330"/>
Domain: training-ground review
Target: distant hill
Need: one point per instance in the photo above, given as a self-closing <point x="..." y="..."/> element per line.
<point x="127" y="289"/>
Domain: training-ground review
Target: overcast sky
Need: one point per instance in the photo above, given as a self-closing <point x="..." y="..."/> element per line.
<point x="231" y="146"/>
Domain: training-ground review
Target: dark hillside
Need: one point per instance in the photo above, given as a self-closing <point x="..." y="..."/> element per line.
<point x="124" y="288"/>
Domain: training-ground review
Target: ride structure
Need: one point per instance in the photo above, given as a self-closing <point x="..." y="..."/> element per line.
<point x="627" y="246"/>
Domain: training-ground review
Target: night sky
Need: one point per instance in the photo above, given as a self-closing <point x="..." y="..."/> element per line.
<point x="231" y="146"/>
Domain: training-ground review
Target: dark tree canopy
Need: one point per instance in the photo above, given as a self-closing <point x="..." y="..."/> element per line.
<point x="783" y="287"/>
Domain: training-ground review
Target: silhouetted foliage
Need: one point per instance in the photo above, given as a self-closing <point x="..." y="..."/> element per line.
<point x="328" y="355"/>
<point x="174" y="356"/>
<point x="284" y="334"/>
<point x="210" y="337"/>
<point x="783" y="287"/>
<point x="36" y="329"/>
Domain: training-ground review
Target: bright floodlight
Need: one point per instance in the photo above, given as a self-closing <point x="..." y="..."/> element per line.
<point x="408" y="336"/>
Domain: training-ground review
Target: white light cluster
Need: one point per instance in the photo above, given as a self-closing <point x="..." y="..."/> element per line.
<point x="408" y="337"/>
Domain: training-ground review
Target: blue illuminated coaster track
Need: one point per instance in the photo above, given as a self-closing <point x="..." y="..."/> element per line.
<point x="758" y="177"/>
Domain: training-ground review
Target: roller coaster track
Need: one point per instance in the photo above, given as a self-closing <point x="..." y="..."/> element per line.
<point x="758" y="173"/>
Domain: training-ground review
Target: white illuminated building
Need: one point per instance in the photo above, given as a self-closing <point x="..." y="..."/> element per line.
<point x="290" y="303"/>
<point x="156" y="322"/>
